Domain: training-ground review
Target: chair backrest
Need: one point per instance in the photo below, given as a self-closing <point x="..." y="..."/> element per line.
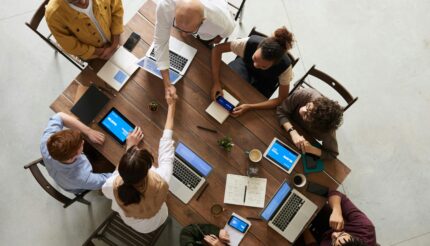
<point x="292" y="58"/>
<point x="114" y="231"/>
<point x="327" y="79"/>
<point x="238" y="9"/>
<point x="34" y="25"/>
<point x="43" y="182"/>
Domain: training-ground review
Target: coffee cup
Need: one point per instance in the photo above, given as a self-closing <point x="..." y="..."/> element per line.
<point x="255" y="155"/>
<point x="299" y="180"/>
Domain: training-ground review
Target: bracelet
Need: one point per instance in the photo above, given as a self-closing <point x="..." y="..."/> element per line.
<point x="291" y="129"/>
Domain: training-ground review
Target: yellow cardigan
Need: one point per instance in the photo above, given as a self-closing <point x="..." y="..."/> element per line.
<point x="76" y="33"/>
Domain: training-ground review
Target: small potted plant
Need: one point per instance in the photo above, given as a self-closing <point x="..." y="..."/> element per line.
<point x="153" y="106"/>
<point x="226" y="143"/>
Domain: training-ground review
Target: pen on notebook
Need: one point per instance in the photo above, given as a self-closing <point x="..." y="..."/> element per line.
<point x="201" y="192"/>
<point x="207" y="129"/>
<point x="244" y="195"/>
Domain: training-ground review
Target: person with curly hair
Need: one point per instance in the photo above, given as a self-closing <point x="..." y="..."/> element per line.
<point x="261" y="61"/>
<point x="319" y="116"/>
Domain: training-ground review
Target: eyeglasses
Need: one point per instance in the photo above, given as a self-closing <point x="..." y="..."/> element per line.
<point x="334" y="241"/>
<point x="195" y="32"/>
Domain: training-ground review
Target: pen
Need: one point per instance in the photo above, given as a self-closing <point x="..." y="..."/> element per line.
<point x="207" y="129"/>
<point x="253" y="218"/>
<point x="244" y="195"/>
<point x="201" y="192"/>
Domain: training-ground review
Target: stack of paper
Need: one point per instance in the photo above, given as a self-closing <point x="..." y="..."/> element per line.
<point x="119" y="68"/>
<point x="246" y="191"/>
<point x="217" y="111"/>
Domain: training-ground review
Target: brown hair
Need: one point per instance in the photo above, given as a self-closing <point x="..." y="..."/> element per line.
<point x="64" y="145"/>
<point x="273" y="48"/>
<point x="133" y="168"/>
<point x="326" y="115"/>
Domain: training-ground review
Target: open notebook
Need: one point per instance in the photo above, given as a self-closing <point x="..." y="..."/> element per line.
<point x="217" y="111"/>
<point x="119" y="68"/>
<point x="246" y="191"/>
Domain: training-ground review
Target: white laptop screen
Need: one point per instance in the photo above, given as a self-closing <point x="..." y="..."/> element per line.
<point x="276" y="202"/>
<point x="282" y="155"/>
<point x="195" y="162"/>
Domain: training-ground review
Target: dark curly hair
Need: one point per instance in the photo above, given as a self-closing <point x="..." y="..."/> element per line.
<point x="273" y="48"/>
<point x="353" y="242"/>
<point x="326" y="115"/>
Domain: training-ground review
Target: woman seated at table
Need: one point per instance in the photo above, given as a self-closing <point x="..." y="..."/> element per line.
<point x="262" y="61"/>
<point x="139" y="187"/>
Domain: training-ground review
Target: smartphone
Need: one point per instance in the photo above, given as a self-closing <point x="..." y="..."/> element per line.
<point x="238" y="224"/>
<point x="132" y="41"/>
<point x="226" y="104"/>
<point x="310" y="160"/>
<point x="317" y="189"/>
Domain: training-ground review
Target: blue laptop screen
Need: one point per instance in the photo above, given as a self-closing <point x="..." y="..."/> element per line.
<point x="194" y="160"/>
<point x="114" y="123"/>
<point x="276" y="201"/>
<point x="151" y="66"/>
<point x="282" y="155"/>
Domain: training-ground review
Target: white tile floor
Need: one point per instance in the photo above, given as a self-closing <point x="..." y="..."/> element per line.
<point x="380" y="50"/>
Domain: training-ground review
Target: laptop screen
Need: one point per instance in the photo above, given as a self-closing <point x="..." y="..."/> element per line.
<point x="276" y="201"/>
<point x="282" y="155"/>
<point x="194" y="160"/>
<point x="149" y="65"/>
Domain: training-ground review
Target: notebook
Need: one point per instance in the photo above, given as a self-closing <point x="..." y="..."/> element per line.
<point x="245" y="191"/>
<point x="218" y="112"/>
<point x="89" y="105"/>
<point x="119" y="68"/>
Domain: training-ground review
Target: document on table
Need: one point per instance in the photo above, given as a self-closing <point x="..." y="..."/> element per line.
<point x="119" y="68"/>
<point x="217" y="111"/>
<point x="246" y="191"/>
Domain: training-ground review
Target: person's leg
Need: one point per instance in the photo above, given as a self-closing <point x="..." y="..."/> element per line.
<point x="99" y="163"/>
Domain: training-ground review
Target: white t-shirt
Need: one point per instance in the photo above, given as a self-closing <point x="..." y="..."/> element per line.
<point x="166" y="153"/>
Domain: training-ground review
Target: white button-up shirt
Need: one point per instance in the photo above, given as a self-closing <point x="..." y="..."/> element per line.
<point x="218" y="21"/>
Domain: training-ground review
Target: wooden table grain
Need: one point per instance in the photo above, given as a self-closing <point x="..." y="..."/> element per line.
<point x="255" y="129"/>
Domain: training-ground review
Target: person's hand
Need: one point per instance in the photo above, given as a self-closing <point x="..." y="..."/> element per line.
<point x="108" y="52"/>
<point x="134" y="137"/>
<point x="224" y="236"/>
<point x="336" y="221"/>
<point x="297" y="139"/>
<point x="171" y="100"/>
<point x="216" y="91"/>
<point x="240" y="109"/>
<point x="96" y="136"/>
<point x="170" y="93"/>
<point x="212" y="240"/>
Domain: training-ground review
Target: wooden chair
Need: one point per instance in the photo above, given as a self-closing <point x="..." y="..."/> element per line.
<point x="113" y="231"/>
<point x="342" y="91"/>
<point x="34" y="25"/>
<point x="255" y="32"/>
<point x="238" y="9"/>
<point x="40" y="178"/>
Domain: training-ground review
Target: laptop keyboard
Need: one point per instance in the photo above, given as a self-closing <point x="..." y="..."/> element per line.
<point x="288" y="212"/>
<point x="177" y="62"/>
<point x="185" y="175"/>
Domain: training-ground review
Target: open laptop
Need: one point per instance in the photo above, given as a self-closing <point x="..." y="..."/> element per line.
<point x="282" y="155"/>
<point x="288" y="212"/>
<point x="180" y="55"/>
<point x="189" y="173"/>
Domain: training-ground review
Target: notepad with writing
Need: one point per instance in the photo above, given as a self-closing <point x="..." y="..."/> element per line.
<point x="244" y="190"/>
<point x="119" y="68"/>
<point x="217" y="111"/>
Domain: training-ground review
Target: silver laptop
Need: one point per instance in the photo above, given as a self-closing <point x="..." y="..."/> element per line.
<point x="189" y="173"/>
<point x="180" y="56"/>
<point x="288" y="212"/>
<point x="282" y="155"/>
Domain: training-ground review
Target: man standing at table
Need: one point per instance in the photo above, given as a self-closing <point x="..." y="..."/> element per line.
<point x="87" y="29"/>
<point x="61" y="151"/>
<point x="319" y="116"/>
<point x="210" y="20"/>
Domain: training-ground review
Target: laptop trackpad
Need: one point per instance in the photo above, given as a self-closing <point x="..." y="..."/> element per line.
<point x="296" y="225"/>
<point x="180" y="190"/>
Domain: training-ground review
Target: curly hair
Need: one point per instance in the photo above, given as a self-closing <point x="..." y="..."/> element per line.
<point x="353" y="242"/>
<point x="326" y="115"/>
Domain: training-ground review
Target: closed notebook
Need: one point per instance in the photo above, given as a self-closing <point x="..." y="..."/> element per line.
<point x="89" y="105"/>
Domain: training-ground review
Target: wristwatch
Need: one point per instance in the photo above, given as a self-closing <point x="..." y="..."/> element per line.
<point x="290" y="130"/>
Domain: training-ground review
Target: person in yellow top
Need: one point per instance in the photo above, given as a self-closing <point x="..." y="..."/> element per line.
<point x="87" y="29"/>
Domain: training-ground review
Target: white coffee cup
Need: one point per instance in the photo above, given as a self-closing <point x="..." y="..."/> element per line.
<point x="255" y="155"/>
<point x="299" y="180"/>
